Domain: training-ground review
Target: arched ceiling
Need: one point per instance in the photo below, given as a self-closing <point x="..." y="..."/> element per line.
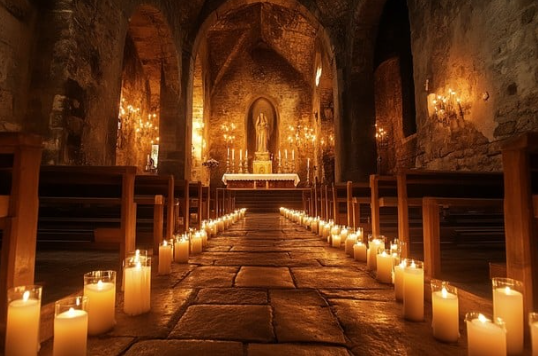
<point x="269" y="26"/>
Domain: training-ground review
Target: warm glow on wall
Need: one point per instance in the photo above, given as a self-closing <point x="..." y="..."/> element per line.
<point x="318" y="75"/>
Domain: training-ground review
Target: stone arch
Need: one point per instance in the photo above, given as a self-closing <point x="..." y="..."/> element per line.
<point x="150" y="33"/>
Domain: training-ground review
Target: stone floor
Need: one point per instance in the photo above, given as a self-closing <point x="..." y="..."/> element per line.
<point x="269" y="287"/>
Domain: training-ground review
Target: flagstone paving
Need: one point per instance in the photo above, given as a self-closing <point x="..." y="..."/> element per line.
<point x="268" y="287"/>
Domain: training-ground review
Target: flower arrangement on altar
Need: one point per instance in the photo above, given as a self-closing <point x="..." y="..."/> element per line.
<point x="211" y="163"/>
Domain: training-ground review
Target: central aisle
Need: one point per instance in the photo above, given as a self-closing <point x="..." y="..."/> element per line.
<point x="269" y="287"/>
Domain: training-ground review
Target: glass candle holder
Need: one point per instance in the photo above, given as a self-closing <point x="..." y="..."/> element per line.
<point x="70" y="327"/>
<point x="165" y="257"/>
<point x="100" y="291"/>
<point x="384" y="266"/>
<point x="508" y="305"/>
<point x="23" y="314"/>
<point x="445" y="311"/>
<point x="398" y="279"/>
<point x="485" y="336"/>
<point x="375" y="244"/>
<point x="137" y="290"/>
<point x="350" y="241"/>
<point x="413" y="290"/>
<point x="533" y="324"/>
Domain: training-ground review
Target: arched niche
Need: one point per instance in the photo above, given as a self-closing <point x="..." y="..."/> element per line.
<point x="265" y="106"/>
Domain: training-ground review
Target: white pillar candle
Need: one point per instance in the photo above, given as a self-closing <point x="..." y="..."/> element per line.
<point x="374" y="246"/>
<point x="70" y="328"/>
<point x="384" y="267"/>
<point x="343" y="233"/>
<point x="240" y="155"/>
<point x="533" y="323"/>
<point x="165" y="258"/>
<point x="100" y="291"/>
<point x="485" y="337"/>
<point x="321" y="227"/>
<point x="398" y="280"/>
<point x="335" y="230"/>
<point x="23" y="312"/>
<point x="314" y="225"/>
<point x="351" y="240"/>
<point x="203" y="235"/>
<point x="196" y="245"/>
<point x="445" y="311"/>
<point x="413" y="291"/>
<point x="336" y="241"/>
<point x="326" y="230"/>
<point x="181" y="250"/>
<point x="137" y="294"/>
<point x="359" y="251"/>
<point x="508" y="305"/>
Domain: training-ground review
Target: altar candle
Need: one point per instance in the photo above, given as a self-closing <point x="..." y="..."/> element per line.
<point x="398" y="280"/>
<point x="336" y="240"/>
<point x="413" y="291"/>
<point x="100" y="291"/>
<point x="228" y="153"/>
<point x="384" y="267"/>
<point x="246" y="154"/>
<point x="286" y="154"/>
<point x="533" y="323"/>
<point x="485" y="337"/>
<point x="359" y="251"/>
<point x="70" y="329"/>
<point x="351" y="240"/>
<point x="508" y="305"/>
<point x="293" y="155"/>
<point x="23" y="312"/>
<point x="181" y="250"/>
<point x="308" y="163"/>
<point x="445" y="312"/>
<point x="137" y="293"/>
<point x="233" y="154"/>
<point x="240" y="155"/>
<point x="165" y="258"/>
<point x="196" y="244"/>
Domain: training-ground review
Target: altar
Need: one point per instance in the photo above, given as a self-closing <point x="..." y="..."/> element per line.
<point x="261" y="181"/>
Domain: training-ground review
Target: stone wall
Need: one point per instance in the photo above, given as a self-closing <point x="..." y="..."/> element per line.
<point x="17" y="35"/>
<point x="487" y="52"/>
<point x="259" y="72"/>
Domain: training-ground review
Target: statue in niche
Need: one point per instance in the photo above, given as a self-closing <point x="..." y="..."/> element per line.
<point x="262" y="133"/>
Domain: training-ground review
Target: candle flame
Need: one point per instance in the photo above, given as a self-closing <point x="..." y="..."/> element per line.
<point x="100" y="284"/>
<point x="482" y="318"/>
<point x="402" y="264"/>
<point x="507" y="290"/>
<point x="165" y="243"/>
<point x="413" y="265"/>
<point x="26" y="296"/>
<point x="138" y="265"/>
<point x="71" y="312"/>
<point x="384" y="253"/>
<point x="444" y="292"/>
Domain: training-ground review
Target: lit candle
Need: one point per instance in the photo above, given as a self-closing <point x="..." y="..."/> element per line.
<point x="308" y="163"/>
<point x="23" y="312"/>
<point x="165" y="258"/>
<point x="240" y="155"/>
<point x="485" y="337"/>
<point x="351" y="240"/>
<point x="508" y="305"/>
<point x="384" y="267"/>
<point x="246" y="154"/>
<point x="137" y="294"/>
<point x="228" y="153"/>
<point x="398" y="280"/>
<point x="413" y="291"/>
<point x="327" y="230"/>
<point x="336" y="240"/>
<point x="343" y="233"/>
<point x="533" y="323"/>
<point x="181" y="250"/>
<point x="445" y="312"/>
<point x="335" y="230"/>
<point x="359" y="251"/>
<point x="233" y="154"/>
<point x="286" y="154"/>
<point x="196" y="244"/>
<point x="293" y="155"/>
<point x="203" y="234"/>
<point x="100" y="291"/>
<point x="314" y="225"/>
<point x="279" y="156"/>
<point x="374" y="246"/>
<point x="70" y="327"/>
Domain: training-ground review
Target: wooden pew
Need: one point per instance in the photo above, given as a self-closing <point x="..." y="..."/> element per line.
<point x="157" y="191"/>
<point x="20" y="159"/>
<point x="358" y="194"/>
<point x="383" y="193"/>
<point x="181" y="205"/>
<point x="94" y="190"/>
<point x="195" y="204"/>
<point x="520" y="165"/>
<point x="432" y="189"/>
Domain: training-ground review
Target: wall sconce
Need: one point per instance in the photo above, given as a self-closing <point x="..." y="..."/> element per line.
<point x="381" y="136"/>
<point x="447" y="108"/>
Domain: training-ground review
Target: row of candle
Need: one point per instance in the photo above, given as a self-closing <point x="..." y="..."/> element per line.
<point x="94" y="312"/>
<point x="408" y="278"/>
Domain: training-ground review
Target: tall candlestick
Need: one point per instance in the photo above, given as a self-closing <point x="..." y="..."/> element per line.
<point x="445" y="312"/>
<point x="485" y="337"/>
<point x="100" y="289"/>
<point x="233" y="154"/>
<point x="70" y="327"/>
<point x="413" y="291"/>
<point x="23" y="312"/>
<point x="508" y="305"/>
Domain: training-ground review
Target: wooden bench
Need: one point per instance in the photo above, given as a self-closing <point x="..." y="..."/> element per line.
<point x="432" y="189"/>
<point x="181" y="205"/>
<point x="156" y="191"/>
<point x="520" y="165"/>
<point x="91" y="195"/>
<point x="20" y="159"/>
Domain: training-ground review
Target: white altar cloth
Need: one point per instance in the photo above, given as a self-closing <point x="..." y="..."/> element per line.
<point x="230" y="177"/>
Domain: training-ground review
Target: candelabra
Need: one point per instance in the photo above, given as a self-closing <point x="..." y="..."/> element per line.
<point x="447" y="108"/>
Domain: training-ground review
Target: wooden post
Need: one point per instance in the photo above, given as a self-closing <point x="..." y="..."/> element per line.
<point x="349" y="204"/>
<point x="336" y="216"/>
<point x="170" y="210"/>
<point x="128" y="215"/>
<point x="520" y="225"/>
<point x="432" y="243"/>
<point x="374" y="205"/>
<point x="19" y="236"/>
<point x="316" y="211"/>
<point x="158" y="217"/>
<point x="403" y="213"/>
